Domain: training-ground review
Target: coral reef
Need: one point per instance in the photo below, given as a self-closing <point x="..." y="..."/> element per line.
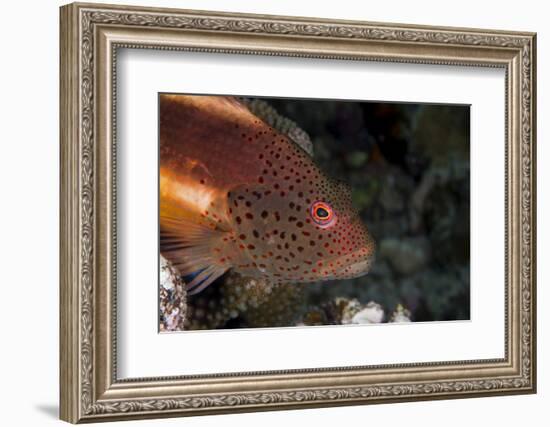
<point x="344" y="311"/>
<point x="172" y="298"/>
<point x="269" y="115"/>
<point x="238" y="301"/>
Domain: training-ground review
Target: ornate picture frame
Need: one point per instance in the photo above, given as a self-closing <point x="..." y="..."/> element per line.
<point x="91" y="34"/>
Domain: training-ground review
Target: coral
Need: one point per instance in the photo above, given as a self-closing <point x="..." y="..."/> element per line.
<point x="282" y="307"/>
<point x="345" y="311"/>
<point x="400" y="315"/>
<point x="371" y="313"/>
<point x="238" y="301"/>
<point x="283" y="124"/>
<point x="172" y="298"/>
<point x="225" y="300"/>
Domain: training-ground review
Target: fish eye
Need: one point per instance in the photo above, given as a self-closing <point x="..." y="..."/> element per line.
<point x="322" y="214"/>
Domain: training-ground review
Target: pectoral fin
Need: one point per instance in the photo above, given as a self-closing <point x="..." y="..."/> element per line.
<point x="196" y="250"/>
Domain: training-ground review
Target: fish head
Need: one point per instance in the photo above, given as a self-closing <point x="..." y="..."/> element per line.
<point x="351" y="248"/>
<point x="301" y="233"/>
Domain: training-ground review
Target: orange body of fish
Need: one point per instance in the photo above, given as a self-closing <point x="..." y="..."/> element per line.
<point x="237" y="194"/>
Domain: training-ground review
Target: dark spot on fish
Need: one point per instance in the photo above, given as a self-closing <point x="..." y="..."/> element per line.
<point x="242" y="237"/>
<point x="264" y="214"/>
<point x="248" y="204"/>
<point x="248" y="215"/>
<point x="251" y="247"/>
<point x="238" y="219"/>
<point x="292" y="218"/>
<point x="300" y="249"/>
<point x="293" y="237"/>
<point x="261" y="180"/>
<point x="311" y="243"/>
<point x="299" y="224"/>
<point x="256" y="234"/>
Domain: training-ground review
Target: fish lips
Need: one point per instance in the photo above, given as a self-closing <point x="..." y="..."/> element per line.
<point x="350" y="271"/>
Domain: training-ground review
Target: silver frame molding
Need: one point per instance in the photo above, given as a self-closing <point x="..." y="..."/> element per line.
<point x="90" y="37"/>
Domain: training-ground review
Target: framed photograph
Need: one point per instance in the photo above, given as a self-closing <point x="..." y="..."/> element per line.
<point x="267" y="212"/>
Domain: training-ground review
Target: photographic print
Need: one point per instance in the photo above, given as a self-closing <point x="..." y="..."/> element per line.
<point x="279" y="212"/>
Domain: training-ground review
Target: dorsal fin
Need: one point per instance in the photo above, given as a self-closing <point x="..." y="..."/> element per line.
<point x="284" y="125"/>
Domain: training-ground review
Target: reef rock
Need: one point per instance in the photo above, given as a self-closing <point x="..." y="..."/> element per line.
<point x="172" y="292"/>
<point x="400" y="315"/>
<point x="372" y="313"/>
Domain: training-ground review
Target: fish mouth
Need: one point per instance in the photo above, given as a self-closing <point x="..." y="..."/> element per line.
<point x="356" y="269"/>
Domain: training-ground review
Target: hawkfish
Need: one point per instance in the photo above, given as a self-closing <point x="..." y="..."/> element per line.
<point x="235" y="193"/>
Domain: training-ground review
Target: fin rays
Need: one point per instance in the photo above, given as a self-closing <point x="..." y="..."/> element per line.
<point x="189" y="246"/>
<point x="203" y="279"/>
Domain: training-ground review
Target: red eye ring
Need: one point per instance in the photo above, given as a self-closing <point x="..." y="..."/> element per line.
<point x="322" y="214"/>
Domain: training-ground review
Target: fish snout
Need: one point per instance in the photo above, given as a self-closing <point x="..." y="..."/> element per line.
<point x="362" y="261"/>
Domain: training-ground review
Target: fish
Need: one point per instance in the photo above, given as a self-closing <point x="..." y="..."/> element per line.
<point x="237" y="194"/>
